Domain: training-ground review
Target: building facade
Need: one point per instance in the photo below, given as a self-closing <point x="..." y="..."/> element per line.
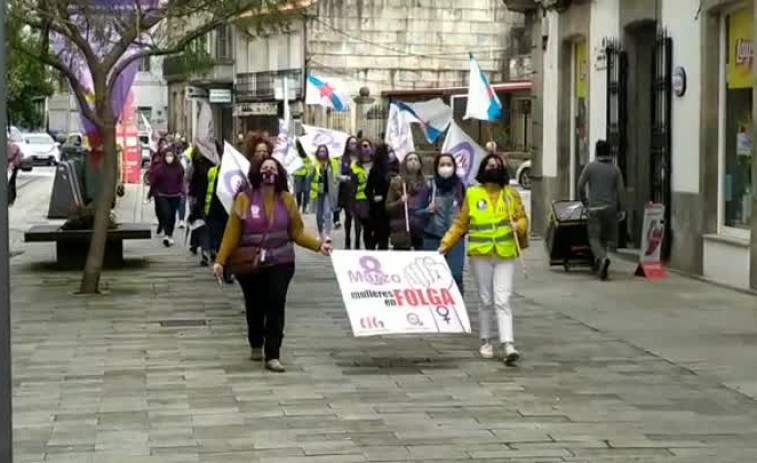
<point x="669" y="84"/>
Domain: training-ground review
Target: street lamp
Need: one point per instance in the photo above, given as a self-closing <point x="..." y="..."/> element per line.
<point x="6" y="423"/>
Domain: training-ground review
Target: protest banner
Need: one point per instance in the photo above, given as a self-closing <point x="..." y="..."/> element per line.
<point x="399" y="293"/>
<point x="285" y="151"/>
<point x="232" y="176"/>
<point x="466" y="151"/>
<point x="314" y="137"/>
<point x="399" y="134"/>
<point x="653" y="233"/>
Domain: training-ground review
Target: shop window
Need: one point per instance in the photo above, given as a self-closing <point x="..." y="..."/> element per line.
<point x="738" y="155"/>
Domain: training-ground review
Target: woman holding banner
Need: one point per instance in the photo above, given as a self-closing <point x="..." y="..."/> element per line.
<point x="497" y="227"/>
<point x="442" y="200"/>
<point x="403" y="202"/>
<point x="266" y="223"/>
<point x="324" y="188"/>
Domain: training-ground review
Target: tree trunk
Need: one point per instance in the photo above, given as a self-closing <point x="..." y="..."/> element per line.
<point x="90" y="283"/>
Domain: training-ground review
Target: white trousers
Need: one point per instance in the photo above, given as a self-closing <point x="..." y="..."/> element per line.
<point x="494" y="279"/>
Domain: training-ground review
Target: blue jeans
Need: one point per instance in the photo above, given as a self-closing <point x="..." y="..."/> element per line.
<point x="302" y="192"/>
<point x="324" y="215"/>
<point x="455" y="257"/>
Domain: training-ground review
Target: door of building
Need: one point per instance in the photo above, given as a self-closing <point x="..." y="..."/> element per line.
<point x="660" y="168"/>
<point x="617" y="93"/>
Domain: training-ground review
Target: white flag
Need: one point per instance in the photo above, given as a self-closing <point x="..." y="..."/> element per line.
<point x="285" y="151"/>
<point x="467" y="153"/>
<point x="314" y="137"/>
<point x="232" y="176"/>
<point x="205" y="138"/>
<point x="399" y="134"/>
<point x="433" y="115"/>
<point x="483" y="103"/>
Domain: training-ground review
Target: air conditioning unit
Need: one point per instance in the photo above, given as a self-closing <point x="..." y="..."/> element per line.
<point x="195" y="92"/>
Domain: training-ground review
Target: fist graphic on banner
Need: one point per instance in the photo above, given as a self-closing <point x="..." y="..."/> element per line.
<point x="424" y="272"/>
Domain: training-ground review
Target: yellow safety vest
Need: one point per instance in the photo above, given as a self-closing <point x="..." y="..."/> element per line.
<point x="489" y="232"/>
<point x="362" y="181"/>
<point x="315" y="184"/>
<point x="212" y="175"/>
<point x="305" y="169"/>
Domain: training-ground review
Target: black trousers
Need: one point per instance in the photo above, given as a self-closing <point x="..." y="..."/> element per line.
<point x="12" y="191"/>
<point x="167" y="209"/>
<point x="265" y="295"/>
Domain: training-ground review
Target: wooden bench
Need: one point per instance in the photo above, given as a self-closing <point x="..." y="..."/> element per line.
<point x="72" y="246"/>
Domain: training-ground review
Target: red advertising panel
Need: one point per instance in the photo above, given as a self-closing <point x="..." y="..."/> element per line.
<point x="127" y="138"/>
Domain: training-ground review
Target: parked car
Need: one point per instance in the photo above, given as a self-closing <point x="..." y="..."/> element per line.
<point x="41" y="148"/>
<point x="524" y="175"/>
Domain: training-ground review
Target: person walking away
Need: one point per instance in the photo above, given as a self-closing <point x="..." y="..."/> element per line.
<point x="216" y="216"/>
<point x="346" y="193"/>
<point x="360" y="208"/>
<point x="403" y="202"/>
<point x="266" y="216"/>
<point x="301" y="180"/>
<point x="167" y="183"/>
<point x="493" y="216"/>
<point x="384" y="169"/>
<point x="156" y="161"/>
<point x="442" y="200"/>
<point x="324" y="189"/>
<point x="604" y="202"/>
<point x="14" y="163"/>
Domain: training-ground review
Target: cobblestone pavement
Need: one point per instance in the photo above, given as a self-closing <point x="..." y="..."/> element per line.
<point x="156" y="371"/>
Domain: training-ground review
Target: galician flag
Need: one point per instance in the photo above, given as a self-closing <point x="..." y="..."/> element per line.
<point x="322" y="93"/>
<point x="483" y="103"/>
<point x="433" y="115"/>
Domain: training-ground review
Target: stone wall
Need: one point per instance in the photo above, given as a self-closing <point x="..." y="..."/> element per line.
<point x="401" y="44"/>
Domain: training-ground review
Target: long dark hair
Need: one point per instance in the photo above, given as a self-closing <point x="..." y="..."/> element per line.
<point x="503" y="177"/>
<point x="346" y="152"/>
<point x="360" y="151"/>
<point x="381" y="159"/>
<point x="256" y="179"/>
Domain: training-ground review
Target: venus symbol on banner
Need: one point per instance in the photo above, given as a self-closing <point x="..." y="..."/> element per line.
<point x="464" y="156"/>
<point x="407" y="292"/>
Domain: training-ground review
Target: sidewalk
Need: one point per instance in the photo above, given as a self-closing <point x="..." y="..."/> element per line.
<point x="156" y="371"/>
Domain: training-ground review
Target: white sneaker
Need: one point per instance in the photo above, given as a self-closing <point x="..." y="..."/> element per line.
<point x="171" y="242"/>
<point x="486" y="350"/>
<point x="182" y="225"/>
<point x="511" y="353"/>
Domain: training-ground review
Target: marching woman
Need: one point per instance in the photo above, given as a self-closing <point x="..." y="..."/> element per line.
<point x="494" y="218"/>
<point x="443" y="198"/>
<point x="360" y="207"/>
<point x="385" y="167"/>
<point x="346" y="195"/>
<point x="167" y="185"/>
<point x="324" y="188"/>
<point x="403" y="203"/>
<point x="258" y="246"/>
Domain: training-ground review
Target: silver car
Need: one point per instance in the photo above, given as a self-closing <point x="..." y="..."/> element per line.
<point x="40" y="147"/>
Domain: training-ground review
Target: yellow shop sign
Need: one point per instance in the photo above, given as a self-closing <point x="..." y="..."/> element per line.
<point x="740" y="49"/>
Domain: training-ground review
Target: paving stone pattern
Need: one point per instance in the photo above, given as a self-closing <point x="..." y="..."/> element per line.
<point x="156" y="371"/>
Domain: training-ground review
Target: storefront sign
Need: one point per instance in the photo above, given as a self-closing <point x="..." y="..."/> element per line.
<point x="740" y="49"/>
<point x="219" y="95"/>
<point x="653" y="234"/>
<point x="256" y="109"/>
<point x="679" y="81"/>
<point x="399" y="293"/>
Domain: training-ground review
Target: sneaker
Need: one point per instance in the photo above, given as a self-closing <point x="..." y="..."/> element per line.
<point x="171" y="242"/>
<point x="604" y="269"/>
<point x="167" y="242"/>
<point x="486" y="350"/>
<point x="328" y="239"/>
<point x="337" y="225"/>
<point x="204" y="260"/>
<point x="256" y="354"/>
<point x="274" y="366"/>
<point x="182" y="225"/>
<point x="511" y="354"/>
<point x="193" y="251"/>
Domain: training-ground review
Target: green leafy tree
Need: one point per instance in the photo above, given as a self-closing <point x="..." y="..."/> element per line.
<point x="105" y="37"/>
<point x="28" y="79"/>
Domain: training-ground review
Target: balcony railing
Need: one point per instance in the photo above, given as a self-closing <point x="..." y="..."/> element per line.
<point x="253" y="86"/>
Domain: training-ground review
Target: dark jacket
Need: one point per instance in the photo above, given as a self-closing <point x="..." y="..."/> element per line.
<point x="377" y="190"/>
<point x="395" y="208"/>
<point x="449" y="202"/>
<point x="167" y="180"/>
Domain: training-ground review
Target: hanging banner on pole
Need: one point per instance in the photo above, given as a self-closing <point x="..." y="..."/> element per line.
<point x="653" y="234"/>
<point x="399" y="293"/>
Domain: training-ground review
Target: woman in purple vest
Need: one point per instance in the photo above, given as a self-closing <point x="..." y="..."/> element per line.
<point x="267" y="216"/>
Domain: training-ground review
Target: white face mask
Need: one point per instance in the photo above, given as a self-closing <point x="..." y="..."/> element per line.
<point x="446" y="171"/>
